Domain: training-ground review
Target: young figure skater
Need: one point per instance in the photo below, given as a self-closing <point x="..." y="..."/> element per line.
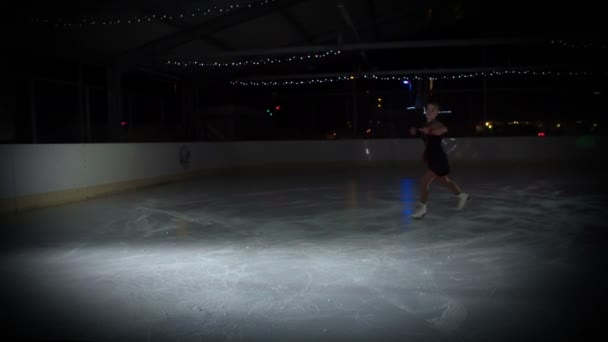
<point x="436" y="160"/>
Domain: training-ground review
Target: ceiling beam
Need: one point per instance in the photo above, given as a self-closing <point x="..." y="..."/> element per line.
<point x="308" y="37"/>
<point x="182" y="25"/>
<point x="373" y="23"/>
<point x="349" y="22"/>
<point x="382" y="46"/>
<point x="160" y="46"/>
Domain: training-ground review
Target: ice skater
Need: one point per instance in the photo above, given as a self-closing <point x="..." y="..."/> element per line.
<point x="435" y="159"/>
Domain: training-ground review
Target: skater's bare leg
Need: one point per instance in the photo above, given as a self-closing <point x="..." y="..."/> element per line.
<point x="462" y="197"/>
<point x="450" y="184"/>
<point x="425" y="181"/>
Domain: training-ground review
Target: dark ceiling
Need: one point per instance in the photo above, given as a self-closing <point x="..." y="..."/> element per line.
<point x="379" y="35"/>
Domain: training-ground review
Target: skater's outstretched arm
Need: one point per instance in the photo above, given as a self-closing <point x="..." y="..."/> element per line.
<point x="417" y="133"/>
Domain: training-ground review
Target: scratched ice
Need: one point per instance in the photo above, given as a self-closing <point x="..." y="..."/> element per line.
<point x="312" y="255"/>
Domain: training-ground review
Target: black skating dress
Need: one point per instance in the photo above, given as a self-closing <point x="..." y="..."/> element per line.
<point x="434" y="156"/>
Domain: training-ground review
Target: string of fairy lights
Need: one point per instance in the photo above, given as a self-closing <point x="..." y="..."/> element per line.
<point x="322" y="55"/>
<point x="156" y="17"/>
<point x="266" y="61"/>
<point x="408" y="79"/>
<point x="578" y="45"/>
<point x="512" y="72"/>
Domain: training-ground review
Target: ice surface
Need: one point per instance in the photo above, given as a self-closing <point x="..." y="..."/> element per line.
<point x="314" y="255"/>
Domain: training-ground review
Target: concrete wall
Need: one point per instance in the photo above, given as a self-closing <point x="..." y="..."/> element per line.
<point x="40" y="175"/>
